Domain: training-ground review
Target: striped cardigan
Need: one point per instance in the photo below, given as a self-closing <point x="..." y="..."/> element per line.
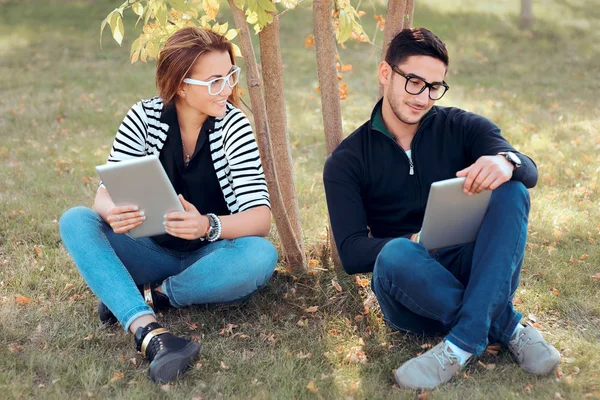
<point x="232" y="147"/>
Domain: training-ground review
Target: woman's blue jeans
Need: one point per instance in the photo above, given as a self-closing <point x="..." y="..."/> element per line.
<point x="463" y="291"/>
<point x="113" y="264"/>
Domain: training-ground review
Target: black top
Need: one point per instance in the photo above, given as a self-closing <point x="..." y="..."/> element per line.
<point x="197" y="183"/>
<point x="371" y="196"/>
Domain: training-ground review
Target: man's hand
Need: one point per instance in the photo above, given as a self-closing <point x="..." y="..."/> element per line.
<point x="188" y="225"/>
<point x="487" y="173"/>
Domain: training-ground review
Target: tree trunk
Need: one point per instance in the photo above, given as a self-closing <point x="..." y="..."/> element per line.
<point x="330" y="97"/>
<point x="292" y="245"/>
<point x="399" y="16"/>
<point x="272" y="72"/>
<point x="526" y="17"/>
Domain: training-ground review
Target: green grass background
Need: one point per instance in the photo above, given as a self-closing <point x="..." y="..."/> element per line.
<point x="62" y="98"/>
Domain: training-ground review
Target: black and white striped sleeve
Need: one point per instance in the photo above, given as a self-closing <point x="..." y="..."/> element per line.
<point x="130" y="140"/>
<point x="248" y="178"/>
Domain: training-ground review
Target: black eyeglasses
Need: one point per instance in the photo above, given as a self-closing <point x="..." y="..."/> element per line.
<point x="415" y="85"/>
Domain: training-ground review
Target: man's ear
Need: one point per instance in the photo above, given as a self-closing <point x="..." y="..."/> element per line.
<point x="385" y="72"/>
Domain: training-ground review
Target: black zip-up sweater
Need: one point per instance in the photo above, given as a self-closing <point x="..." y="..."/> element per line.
<point x="369" y="186"/>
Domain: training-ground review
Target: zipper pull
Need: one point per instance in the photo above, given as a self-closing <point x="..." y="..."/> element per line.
<point x="412" y="167"/>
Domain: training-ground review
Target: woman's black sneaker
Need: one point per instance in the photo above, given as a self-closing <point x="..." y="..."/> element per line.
<point x="157" y="300"/>
<point x="170" y="356"/>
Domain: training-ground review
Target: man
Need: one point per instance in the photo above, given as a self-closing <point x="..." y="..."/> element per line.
<point x="377" y="183"/>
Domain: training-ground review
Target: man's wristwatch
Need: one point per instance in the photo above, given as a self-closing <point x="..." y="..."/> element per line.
<point x="512" y="158"/>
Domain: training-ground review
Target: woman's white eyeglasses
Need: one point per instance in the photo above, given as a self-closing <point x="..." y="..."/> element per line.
<point x="216" y="86"/>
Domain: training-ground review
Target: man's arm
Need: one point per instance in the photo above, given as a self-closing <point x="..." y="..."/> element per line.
<point x="483" y="138"/>
<point x="342" y="180"/>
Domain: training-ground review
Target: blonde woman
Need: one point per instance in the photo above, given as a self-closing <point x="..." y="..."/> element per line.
<point x="215" y="251"/>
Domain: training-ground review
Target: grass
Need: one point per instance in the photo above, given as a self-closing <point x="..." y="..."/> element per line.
<point x="62" y="97"/>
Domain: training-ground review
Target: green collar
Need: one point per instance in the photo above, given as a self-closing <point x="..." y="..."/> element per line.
<point x="379" y="125"/>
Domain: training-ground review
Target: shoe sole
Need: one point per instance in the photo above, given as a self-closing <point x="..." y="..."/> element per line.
<point x="168" y="367"/>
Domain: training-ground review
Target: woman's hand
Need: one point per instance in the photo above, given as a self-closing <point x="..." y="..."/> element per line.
<point x="122" y="219"/>
<point x="188" y="225"/>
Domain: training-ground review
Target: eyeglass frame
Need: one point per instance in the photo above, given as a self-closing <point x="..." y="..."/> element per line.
<point x="226" y="80"/>
<point x="427" y="84"/>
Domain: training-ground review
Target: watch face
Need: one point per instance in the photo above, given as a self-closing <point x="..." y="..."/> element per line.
<point x="513" y="159"/>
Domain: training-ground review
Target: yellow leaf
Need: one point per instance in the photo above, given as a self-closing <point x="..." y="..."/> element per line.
<point x="313" y="262"/>
<point x="312" y="387"/>
<point x="309" y="41"/>
<point x="22" y="299"/>
<point x="211" y="7"/>
<point x="138" y="8"/>
<point x="231" y="34"/>
<point x="347" y="67"/>
<point x="311" y="309"/>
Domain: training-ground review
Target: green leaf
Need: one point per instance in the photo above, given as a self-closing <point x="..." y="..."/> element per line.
<point x="138" y="8"/>
<point x="135" y="46"/>
<point x="239" y="3"/>
<point x="267" y="5"/>
<point x="103" y="26"/>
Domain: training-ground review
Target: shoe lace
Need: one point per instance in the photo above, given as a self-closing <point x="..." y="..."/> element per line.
<point x="519" y="342"/>
<point x="445" y="357"/>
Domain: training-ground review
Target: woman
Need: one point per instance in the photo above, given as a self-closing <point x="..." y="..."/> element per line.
<point x="214" y="251"/>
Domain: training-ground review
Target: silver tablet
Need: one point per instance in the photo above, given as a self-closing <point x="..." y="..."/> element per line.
<point x="452" y="217"/>
<point x="143" y="182"/>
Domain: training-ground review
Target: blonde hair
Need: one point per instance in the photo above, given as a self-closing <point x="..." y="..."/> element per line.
<point x="178" y="56"/>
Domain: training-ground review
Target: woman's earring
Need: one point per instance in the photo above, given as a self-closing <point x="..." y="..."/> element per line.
<point x="183" y="94"/>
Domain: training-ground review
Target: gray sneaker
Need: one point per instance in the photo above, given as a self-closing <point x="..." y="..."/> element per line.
<point x="430" y="369"/>
<point x="533" y="353"/>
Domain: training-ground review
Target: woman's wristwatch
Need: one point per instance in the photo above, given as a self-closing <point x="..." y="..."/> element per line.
<point x="214" y="229"/>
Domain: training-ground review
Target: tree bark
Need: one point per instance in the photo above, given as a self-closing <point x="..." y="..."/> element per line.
<point x="272" y="72"/>
<point x="292" y="245"/>
<point x="399" y="16"/>
<point x="526" y="17"/>
<point x="330" y="97"/>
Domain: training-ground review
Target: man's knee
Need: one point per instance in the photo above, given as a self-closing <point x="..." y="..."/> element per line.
<point x="396" y="260"/>
<point x="513" y="190"/>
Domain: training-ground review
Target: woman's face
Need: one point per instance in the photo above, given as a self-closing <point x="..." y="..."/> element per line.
<point x="208" y="66"/>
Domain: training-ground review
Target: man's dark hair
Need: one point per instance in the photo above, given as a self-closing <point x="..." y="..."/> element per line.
<point x="415" y="42"/>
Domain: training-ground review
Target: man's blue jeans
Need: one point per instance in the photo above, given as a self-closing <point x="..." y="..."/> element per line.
<point x="463" y="291"/>
<point x="113" y="264"/>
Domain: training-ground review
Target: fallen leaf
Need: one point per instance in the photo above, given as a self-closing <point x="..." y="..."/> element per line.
<point x="311" y="309"/>
<point x="117" y="376"/>
<point x="68" y="286"/>
<point x="362" y="282"/>
<point x="532" y="317"/>
<point x="312" y="387"/>
<point x="192" y="326"/>
<point x="334" y="332"/>
<point x="38" y="251"/>
<point x="15" y="348"/>
<point x="223" y="365"/>
<point x="489" y="367"/>
<point x="596" y="277"/>
<point x="88" y="337"/>
<point x="426" y="346"/>
<point x="558" y="373"/>
<point x="302" y="356"/>
<point x="313" y="263"/>
<point x="528" y="388"/>
<point x="423" y="396"/>
<point x="557" y="396"/>
<point x="22" y="299"/>
<point x="570" y="360"/>
<point x="493" y="349"/>
<point x="584" y="257"/>
<point x="336" y="285"/>
<point x="166" y="387"/>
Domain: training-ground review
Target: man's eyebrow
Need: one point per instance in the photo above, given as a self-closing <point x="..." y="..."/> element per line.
<point x="411" y="75"/>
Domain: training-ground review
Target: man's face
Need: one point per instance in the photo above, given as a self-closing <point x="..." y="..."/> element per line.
<point x="409" y="108"/>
